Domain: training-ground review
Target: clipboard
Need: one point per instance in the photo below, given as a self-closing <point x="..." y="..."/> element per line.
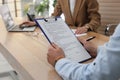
<point x="57" y="31"/>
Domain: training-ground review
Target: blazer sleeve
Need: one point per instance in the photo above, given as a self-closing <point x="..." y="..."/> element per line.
<point x="57" y="9"/>
<point x="93" y="14"/>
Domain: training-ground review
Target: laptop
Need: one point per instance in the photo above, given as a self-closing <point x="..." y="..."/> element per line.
<point x="9" y="23"/>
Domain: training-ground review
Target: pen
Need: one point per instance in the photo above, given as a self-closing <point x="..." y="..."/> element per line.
<point x="90" y="38"/>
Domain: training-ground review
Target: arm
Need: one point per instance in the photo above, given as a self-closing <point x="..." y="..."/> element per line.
<point x="104" y="67"/>
<point x="67" y="69"/>
<point x="57" y="9"/>
<point x="28" y="23"/>
<point x="93" y="15"/>
<point x="54" y="54"/>
<point x="89" y="46"/>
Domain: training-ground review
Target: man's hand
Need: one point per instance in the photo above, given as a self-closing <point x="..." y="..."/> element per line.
<point x="54" y="54"/>
<point x="81" y="30"/>
<point x="89" y="46"/>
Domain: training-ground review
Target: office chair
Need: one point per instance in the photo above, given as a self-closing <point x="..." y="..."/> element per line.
<point x="109" y="30"/>
<point x="110" y="16"/>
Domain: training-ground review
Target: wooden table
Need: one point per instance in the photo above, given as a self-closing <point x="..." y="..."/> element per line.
<point x="26" y="52"/>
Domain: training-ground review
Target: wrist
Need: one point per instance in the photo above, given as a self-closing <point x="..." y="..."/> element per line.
<point x="58" y="58"/>
<point x="87" y="27"/>
<point x="34" y="24"/>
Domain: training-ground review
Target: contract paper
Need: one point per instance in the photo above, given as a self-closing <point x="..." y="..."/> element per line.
<point x="57" y="31"/>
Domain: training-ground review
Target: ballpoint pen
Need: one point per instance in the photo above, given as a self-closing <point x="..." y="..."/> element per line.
<point x="90" y="38"/>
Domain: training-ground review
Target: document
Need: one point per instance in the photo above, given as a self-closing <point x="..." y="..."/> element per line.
<point x="78" y="35"/>
<point x="57" y="31"/>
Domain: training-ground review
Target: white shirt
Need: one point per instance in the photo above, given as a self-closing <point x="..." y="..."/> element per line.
<point x="106" y="66"/>
<point x="72" y="5"/>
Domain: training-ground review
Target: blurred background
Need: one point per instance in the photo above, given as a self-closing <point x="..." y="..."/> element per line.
<point x="19" y="8"/>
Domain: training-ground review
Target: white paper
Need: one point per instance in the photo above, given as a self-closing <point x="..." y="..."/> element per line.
<point x="78" y="35"/>
<point x="59" y="33"/>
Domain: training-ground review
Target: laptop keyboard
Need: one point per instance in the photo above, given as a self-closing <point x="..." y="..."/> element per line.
<point x="17" y="28"/>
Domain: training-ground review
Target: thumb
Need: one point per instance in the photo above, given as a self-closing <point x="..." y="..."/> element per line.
<point x="81" y="40"/>
<point x="54" y="45"/>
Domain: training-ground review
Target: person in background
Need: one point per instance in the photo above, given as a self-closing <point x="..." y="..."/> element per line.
<point x="105" y="66"/>
<point x="80" y="14"/>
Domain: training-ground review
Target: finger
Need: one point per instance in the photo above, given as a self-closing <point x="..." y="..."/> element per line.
<point x="83" y="41"/>
<point x="48" y="59"/>
<point x="23" y="23"/>
<point x="78" y="31"/>
<point x="80" y="39"/>
<point x="48" y="54"/>
<point x="50" y="48"/>
<point x="54" y="45"/>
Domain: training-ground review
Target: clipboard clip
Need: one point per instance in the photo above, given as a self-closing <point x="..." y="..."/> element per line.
<point x="55" y="18"/>
<point x="47" y="20"/>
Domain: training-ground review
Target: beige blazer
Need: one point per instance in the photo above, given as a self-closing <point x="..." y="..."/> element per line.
<point x="85" y="13"/>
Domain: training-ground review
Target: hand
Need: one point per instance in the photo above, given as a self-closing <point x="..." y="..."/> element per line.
<point x="89" y="46"/>
<point x="28" y="23"/>
<point x="54" y="54"/>
<point x="81" y="30"/>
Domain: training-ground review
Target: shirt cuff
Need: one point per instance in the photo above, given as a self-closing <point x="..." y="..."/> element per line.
<point x="61" y="62"/>
<point x="89" y="27"/>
